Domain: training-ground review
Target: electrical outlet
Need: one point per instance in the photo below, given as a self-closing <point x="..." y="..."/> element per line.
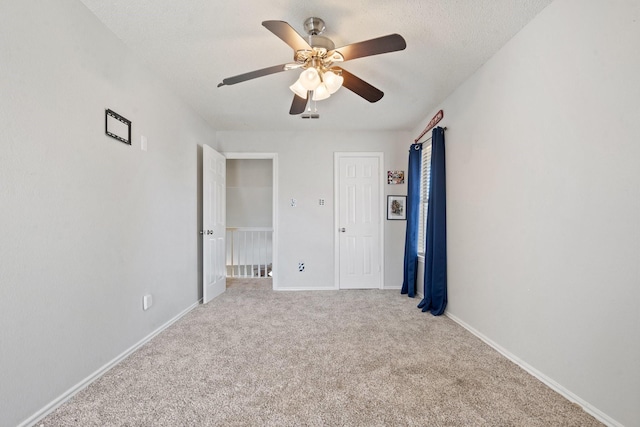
<point x="321" y="202"/>
<point x="301" y="267"/>
<point x="294" y="203"/>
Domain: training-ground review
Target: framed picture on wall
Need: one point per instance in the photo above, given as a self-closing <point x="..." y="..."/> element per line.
<point x="117" y="127"/>
<point x="397" y="207"/>
<point x="395" y="177"/>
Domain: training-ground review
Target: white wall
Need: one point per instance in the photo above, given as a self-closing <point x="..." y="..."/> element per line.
<point x="249" y="193"/>
<point x="305" y="164"/>
<point x="543" y="153"/>
<point x="88" y="224"/>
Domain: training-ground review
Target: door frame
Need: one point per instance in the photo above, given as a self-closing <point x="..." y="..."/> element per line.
<point x="274" y="195"/>
<point x="336" y="204"/>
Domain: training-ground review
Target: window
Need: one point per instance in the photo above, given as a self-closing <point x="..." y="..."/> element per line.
<point x="425" y="178"/>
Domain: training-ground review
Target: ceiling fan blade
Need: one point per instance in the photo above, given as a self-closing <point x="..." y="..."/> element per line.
<point x="252" y="75"/>
<point x="287" y="34"/>
<point x="360" y="87"/>
<point x="298" y="105"/>
<point x="384" y="44"/>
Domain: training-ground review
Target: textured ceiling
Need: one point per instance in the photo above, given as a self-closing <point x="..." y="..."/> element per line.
<point x="194" y="44"/>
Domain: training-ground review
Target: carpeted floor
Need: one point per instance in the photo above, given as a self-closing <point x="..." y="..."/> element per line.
<point x="254" y="357"/>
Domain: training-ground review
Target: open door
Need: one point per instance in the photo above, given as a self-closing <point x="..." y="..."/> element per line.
<point x="214" y="280"/>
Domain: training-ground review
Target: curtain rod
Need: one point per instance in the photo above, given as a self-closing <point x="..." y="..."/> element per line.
<point x="434" y="121"/>
<point x="444" y="128"/>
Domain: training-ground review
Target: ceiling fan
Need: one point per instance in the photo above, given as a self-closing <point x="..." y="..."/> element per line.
<point x="317" y="57"/>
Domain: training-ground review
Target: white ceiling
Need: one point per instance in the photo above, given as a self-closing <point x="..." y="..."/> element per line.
<point x="194" y="44"/>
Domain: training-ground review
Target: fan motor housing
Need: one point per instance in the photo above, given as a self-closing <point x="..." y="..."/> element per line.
<point x="314" y="26"/>
<point x="321" y="42"/>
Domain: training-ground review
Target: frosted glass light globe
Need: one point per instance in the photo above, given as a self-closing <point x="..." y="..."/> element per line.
<point x="310" y="79"/>
<point x="321" y="93"/>
<point x="298" y="89"/>
<point x="333" y="81"/>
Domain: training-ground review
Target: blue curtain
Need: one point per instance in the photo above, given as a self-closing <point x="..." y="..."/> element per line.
<point x="413" y="212"/>
<point x="435" y="268"/>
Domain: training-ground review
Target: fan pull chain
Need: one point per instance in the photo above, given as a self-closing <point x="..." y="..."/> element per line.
<point x="309" y="114"/>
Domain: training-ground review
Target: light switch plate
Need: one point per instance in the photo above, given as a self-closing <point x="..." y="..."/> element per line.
<point x="147" y="301"/>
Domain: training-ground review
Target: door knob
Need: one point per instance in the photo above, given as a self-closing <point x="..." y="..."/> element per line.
<point x="342" y="230"/>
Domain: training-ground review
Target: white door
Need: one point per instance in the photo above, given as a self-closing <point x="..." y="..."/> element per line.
<point x="359" y="216"/>
<point x="213" y="223"/>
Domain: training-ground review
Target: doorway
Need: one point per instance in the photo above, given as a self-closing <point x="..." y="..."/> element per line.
<point x="252" y="215"/>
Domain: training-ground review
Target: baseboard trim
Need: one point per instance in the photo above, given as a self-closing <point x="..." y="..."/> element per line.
<point x="281" y="289"/>
<point x="100" y="372"/>
<point x="586" y="406"/>
<point x="331" y="289"/>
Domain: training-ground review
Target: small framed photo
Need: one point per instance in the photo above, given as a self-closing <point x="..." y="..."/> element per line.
<point x="117" y="127"/>
<point x="395" y="177"/>
<point x="397" y="207"/>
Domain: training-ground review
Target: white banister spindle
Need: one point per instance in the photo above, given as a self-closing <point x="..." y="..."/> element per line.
<point x="232" y="249"/>
<point x="249" y="251"/>
<point x="253" y="251"/>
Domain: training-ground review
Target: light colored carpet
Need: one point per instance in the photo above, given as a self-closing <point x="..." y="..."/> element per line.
<point x="254" y="357"/>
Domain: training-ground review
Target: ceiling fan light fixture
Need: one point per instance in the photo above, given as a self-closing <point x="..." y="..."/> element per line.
<point x="299" y="89"/>
<point x="309" y="78"/>
<point x="321" y="92"/>
<point x="332" y="81"/>
<point x="316" y="57"/>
